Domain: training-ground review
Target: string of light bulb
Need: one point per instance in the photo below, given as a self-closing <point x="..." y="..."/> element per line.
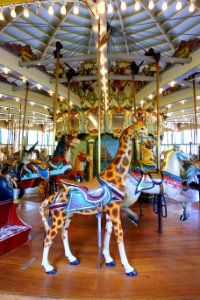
<point x="63" y="11"/>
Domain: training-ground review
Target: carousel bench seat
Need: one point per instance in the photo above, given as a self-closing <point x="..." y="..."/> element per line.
<point x="13" y="231"/>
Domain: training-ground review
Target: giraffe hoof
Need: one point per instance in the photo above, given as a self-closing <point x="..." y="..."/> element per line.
<point x="134" y="221"/>
<point x="132" y="273"/>
<point x="111" y="264"/>
<point x="52" y="272"/>
<point x="75" y="262"/>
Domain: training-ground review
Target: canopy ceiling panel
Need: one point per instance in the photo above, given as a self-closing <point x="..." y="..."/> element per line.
<point x="131" y="32"/>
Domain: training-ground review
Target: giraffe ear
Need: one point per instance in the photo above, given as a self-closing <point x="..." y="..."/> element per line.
<point x="134" y="119"/>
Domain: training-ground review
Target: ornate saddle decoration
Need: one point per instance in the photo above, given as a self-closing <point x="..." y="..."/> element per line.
<point x="83" y="197"/>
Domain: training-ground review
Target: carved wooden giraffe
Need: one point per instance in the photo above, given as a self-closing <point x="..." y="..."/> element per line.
<point x="112" y="180"/>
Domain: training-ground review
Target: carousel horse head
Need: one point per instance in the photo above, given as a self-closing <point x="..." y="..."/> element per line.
<point x="171" y="162"/>
<point x="78" y="166"/>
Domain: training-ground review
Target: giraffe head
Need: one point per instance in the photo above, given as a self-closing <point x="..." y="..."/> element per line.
<point x="136" y="131"/>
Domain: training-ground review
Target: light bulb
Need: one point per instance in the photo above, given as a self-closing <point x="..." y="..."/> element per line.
<point x="76" y="10"/>
<point x="151" y="4"/>
<point x="13" y="12"/>
<point x="164" y="5"/>
<point x="191" y="7"/>
<point x="26" y="12"/>
<point x="1" y="15"/>
<point x="178" y="5"/>
<point x="51" y="10"/>
<point x="123" y="5"/>
<point x="110" y="8"/>
<point x="137" y="5"/>
<point x="63" y="10"/>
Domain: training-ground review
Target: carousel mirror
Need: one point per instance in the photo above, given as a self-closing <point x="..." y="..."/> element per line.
<point x="91" y="121"/>
<point x="118" y="120"/>
<point x="75" y="122"/>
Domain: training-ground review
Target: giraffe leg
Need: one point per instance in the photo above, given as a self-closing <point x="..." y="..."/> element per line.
<point x="106" y="252"/>
<point x="72" y="259"/>
<point x="114" y="211"/>
<point x="51" y="234"/>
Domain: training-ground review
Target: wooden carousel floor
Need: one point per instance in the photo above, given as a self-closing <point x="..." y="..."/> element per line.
<point x="168" y="264"/>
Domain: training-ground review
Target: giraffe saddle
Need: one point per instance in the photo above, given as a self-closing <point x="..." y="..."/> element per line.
<point x="88" y="195"/>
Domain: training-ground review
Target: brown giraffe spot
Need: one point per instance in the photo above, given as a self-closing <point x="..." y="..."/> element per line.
<point x="109" y="174"/>
<point x="113" y="181"/>
<point x="115" y="212"/>
<point x="125" y="161"/>
<point x="53" y="233"/>
<point x="116" y="161"/>
<point x="59" y="222"/>
<point x="107" y="211"/>
<point x="116" y="231"/>
<point x="121" y="234"/>
<point x="114" y="223"/>
<point x="56" y="213"/>
<point x="47" y="241"/>
<point x="129" y="152"/>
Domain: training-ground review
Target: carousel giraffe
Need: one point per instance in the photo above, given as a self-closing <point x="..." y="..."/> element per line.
<point x="105" y="193"/>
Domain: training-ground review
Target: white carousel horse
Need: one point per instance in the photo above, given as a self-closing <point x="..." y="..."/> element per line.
<point x="105" y="193"/>
<point x="168" y="180"/>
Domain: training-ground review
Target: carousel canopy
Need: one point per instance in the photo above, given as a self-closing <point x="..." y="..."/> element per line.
<point x="131" y="37"/>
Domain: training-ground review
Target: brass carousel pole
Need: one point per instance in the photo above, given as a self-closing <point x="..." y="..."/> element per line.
<point x="68" y="107"/>
<point x="24" y="119"/>
<point x="195" y="116"/>
<point x="20" y="120"/>
<point x="8" y="137"/>
<point x="99" y="103"/>
<point x="158" y="114"/>
<point x="134" y="94"/>
<point x="55" y="96"/>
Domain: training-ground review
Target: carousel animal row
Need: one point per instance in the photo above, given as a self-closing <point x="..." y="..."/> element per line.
<point x="116" y="188"/>
<point x="30" y="173"/>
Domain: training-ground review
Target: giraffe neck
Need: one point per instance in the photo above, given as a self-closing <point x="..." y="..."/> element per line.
<point x="117" y="171"/>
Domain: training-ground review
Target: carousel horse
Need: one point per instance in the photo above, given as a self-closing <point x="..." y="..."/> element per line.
<point x="167" y="182"/>
<point x="104" y="193"/>
<point x="78" y="165"/>
<point x="76" y="173"/>
<point x="42" y="155"/>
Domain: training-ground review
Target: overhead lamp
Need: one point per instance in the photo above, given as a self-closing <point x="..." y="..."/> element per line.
<point x="50" y="9"/>
<point x="1" y="15"/>
<point x="26" y="12"/>
<point x="123" y="5"/>
<point x="151" y="4"/>
<point x="63" y="10"/>
<point x="76" y="8"/>
<point x="137" y="5"/>
<point x="178" y="5"/>
<point x="12" y="11"/>
<point x="191" y="7"/>
<point x="164" y="5"/>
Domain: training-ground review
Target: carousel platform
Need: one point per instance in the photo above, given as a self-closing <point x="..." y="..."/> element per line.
<point x="168" y="263"/>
